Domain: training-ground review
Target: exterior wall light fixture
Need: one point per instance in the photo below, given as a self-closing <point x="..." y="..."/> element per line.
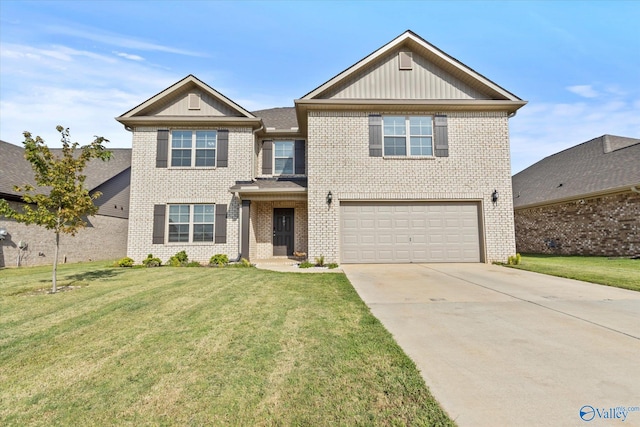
<point x="329" y="198"/>
<point x="494" y="196"/>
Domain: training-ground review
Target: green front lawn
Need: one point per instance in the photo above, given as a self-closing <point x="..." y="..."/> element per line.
<point x="618" y="272"/>
<point x="199" y="346"/>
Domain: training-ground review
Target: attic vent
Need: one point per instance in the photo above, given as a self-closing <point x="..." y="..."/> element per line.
<point x="194" y="101"/>
<point x="405" y="60"/>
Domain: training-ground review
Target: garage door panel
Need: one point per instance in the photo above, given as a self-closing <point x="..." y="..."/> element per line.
<point x="397" y="232"/>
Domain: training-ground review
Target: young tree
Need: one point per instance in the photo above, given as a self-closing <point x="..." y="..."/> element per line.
<point x="67" y="202"/>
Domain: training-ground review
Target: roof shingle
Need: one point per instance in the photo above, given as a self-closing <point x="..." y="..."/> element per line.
<point x="282" y="118"/>
<point x="605" y="163"/>
<point x="16" y="170"/>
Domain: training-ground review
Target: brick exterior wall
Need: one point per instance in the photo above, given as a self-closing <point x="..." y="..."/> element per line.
<point x="104" y="239"/>
<point x="606" y="226"/>
<point x="261" y="232"/>
<point x="151" y="186"/>
<point x="479" y="162"/>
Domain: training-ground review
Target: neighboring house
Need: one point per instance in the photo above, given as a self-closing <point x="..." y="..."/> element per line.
<point x="105" y="236"/>
<point x="394" y="159"/>
<point x="581" y="201"/>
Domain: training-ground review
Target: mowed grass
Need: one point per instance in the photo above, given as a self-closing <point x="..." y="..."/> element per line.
<point x="199" y="346"/>
<point x="618" y="272"/>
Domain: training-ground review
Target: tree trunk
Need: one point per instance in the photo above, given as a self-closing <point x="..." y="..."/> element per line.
<point x="54" y="289"/>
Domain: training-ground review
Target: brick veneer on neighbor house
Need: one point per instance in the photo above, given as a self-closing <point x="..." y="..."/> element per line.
<point x="467" y="174"/>
<point x="606" y="226"/>
<point x="105" y="238"/>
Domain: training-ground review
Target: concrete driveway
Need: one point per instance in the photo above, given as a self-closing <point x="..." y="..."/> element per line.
<point x="504" y="347"/>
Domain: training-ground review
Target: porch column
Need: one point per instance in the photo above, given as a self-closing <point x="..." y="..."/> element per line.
<point x="244" y="232"/>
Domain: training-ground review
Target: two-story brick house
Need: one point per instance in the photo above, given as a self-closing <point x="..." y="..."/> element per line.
<point x="402" y="157"/>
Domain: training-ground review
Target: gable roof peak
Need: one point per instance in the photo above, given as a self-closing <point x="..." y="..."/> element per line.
<point x="431" y="53"/>
<point x="190" y="79"/>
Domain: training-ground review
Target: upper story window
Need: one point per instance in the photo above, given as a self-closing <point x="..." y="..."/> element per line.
<point x="408" y="135"/>
<point x="191" y="223"/>
<point x="193" y="148"/>
<point x="283" y="158"/>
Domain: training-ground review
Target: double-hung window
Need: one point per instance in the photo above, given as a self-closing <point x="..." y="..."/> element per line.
<point x="193" y="148"/>
<point x="283" y="157"/>
<point x="408" y="135"/>
<point x="191" y="223"/>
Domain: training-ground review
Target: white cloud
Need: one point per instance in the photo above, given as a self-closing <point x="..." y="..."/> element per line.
<point x="129" y="56"/>
<point x="122" y="41"/>
<point x="585" y="91"/>
<point x="542" y="129"/>
<point x="82" y="90"/>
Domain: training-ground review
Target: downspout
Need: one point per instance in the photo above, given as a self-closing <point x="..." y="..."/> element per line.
<point x="635" y="189"/>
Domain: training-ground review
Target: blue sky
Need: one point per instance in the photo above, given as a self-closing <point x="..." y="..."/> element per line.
<point x="82" y="63"/>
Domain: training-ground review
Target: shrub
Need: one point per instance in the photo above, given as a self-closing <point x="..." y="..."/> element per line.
<point x="332" y="265"/>
<point x="179" y="260"/>
<point x="150" y="261"/>
<point x="305" y="264"/>
<point x="125" y="262"/>
<point x="320" y="261"/>
<point x="514" y="260"/>
<point x="243" y="263"/>
<point x="193" y="264"/>
<point x="219" y="260"/>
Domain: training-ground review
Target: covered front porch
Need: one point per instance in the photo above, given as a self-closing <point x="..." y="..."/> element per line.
<point x="273" y="223"/>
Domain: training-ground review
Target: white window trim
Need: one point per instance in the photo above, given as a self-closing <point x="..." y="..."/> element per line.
<point x="407" y="138"/>
<point x="193" y="149"/>
<point x="293" y="158"/>
<point x="191" y="224"/>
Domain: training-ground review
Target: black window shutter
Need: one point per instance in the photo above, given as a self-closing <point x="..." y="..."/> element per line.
<point x="299" y="157"/>
<point x="162" y="150"/>
<point x="267" y="158"/>
<point x="221" y="224"/>
<point x="158" y="224"/>
<point x="222" y="149"/>
<point x="375" y="135"/>
<point x="441" y="135"/>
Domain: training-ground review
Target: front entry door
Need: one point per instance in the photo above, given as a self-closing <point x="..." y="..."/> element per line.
<point x="283" y="231"/>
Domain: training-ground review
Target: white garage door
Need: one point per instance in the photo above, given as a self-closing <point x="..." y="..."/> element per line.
<point x="402" y="232"/>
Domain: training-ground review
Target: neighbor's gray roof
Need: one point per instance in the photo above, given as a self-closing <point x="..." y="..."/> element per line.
<point x="597" y="166"/>
<point x="279" y="118"/>
<point x="16" y="170"/>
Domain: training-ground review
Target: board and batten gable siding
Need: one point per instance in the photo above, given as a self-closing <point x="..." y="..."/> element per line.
<point x="478" y="162"/>
<point x="178" y="105"/>
<point x="385" y="80"/>
<point x="151" y="186"/>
